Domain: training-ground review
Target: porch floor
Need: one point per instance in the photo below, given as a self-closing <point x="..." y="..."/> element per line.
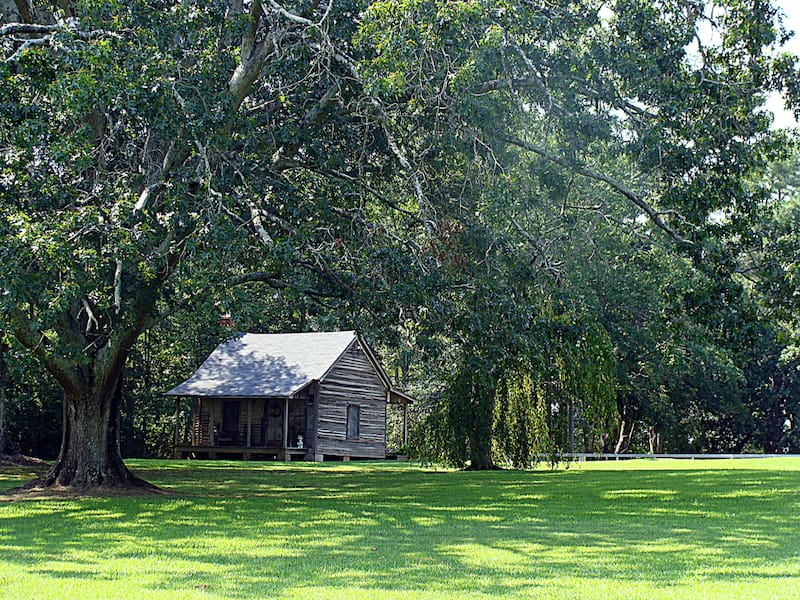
<point x="243" y="452"/>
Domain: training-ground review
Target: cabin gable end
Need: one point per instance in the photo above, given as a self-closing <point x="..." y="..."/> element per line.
<point x="352" y="408"/>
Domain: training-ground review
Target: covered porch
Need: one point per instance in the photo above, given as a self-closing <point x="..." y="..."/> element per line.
<point x="245" y="428"/>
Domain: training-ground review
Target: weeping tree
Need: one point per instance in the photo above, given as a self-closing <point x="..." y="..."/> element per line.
<point x="589" y="106"/>
<point x="545" y="388"/>
<point x="522" y="427"/>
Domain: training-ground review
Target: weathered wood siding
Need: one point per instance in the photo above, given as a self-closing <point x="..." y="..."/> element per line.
<point x="205" y="410"/>
<point x="354" y="381"/>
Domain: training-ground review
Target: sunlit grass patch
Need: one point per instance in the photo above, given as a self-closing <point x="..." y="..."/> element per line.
<point x="638" y="529"/>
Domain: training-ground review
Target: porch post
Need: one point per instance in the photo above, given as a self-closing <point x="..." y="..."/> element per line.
<point x="249" y="420"/>
<point x="286" y="423"/>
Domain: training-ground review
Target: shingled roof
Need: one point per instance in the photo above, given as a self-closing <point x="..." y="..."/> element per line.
<point x="269" y="365"/>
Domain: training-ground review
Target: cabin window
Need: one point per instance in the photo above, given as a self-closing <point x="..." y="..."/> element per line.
<point x="353" y="421"/>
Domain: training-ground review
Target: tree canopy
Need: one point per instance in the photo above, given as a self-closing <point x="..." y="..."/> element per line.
<point x="444" y="167"/>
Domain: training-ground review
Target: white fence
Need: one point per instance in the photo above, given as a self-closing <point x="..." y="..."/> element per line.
<point x="582" y="456"/>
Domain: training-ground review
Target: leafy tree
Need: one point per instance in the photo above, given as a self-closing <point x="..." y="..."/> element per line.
<point x="31" y="405"/>
<point x="771" y="270"/>
<point x="157" y="153"/>
<point x="5" y="446"/>
<point x="636" y="112"/>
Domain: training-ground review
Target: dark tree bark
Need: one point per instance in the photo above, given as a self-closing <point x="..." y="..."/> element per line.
<point x="129" y="446"/>
<point x="4" y="443"/>
<point x="90" y="445"/>
<point x="89" y="455"/>
<point x="481" y="430"/>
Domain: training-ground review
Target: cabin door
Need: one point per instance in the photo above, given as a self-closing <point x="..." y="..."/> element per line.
<point x="230" y="417"/>
<point x="274" y="411"/>
<point x="229" y="435"/>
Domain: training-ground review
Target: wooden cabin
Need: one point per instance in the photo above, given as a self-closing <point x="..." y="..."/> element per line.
<point x="313" y="396"/>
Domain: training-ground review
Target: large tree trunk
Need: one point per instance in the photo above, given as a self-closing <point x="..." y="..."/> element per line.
<point x="481" y="430"/>
<point x="90" y="445"/>
<point x="480" y="449"/>
<point x="129" y="446"/>
<point x="4" y="445"/>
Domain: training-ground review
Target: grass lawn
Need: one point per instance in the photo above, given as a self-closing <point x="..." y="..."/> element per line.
<point x="635" y="529"/>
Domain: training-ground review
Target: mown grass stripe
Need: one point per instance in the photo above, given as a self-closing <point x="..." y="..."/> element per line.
<point x="633" y="529"/>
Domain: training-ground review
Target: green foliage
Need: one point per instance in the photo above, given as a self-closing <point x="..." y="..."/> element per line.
<point x="32" y="406"/>
<point x="483" y="181"/>
<point x="150" y="163"/>
<point x="521" y="432"/>
<point x="610" y="103"/>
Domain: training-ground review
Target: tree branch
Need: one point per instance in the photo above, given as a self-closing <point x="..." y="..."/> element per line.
<point x="27" y="29"/>
<point x="372" y="191"/>
<point x="255" y="215"/>
<point x="611" y="182"/>
<point x="394" y="147"/>
<point x="37" y="343"/>
<point x="300" y="20"/>
<point x="290" y="16"/>
<point x="273" y="281"/>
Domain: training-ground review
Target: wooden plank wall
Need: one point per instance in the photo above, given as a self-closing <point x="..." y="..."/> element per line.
<point x="203" y="410"/>
<point x="352" y="380"/>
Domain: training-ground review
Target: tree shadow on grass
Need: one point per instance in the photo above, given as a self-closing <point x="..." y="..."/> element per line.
<point x="256" y="531"/>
